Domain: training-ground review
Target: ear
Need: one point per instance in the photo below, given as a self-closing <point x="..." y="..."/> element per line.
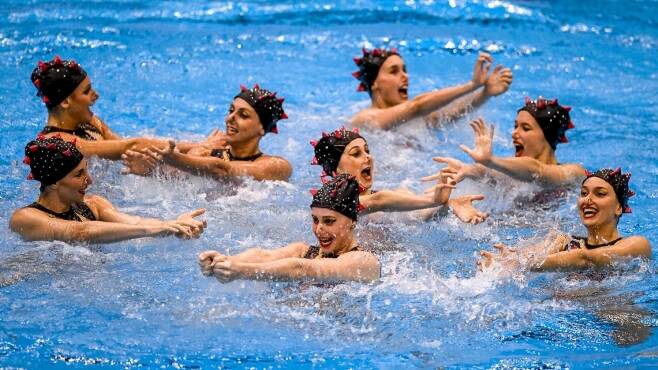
<point x="619" y="210"/>
<point x="66" y="103"/>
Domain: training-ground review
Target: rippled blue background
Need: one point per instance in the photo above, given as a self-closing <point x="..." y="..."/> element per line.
<point x="171" y="68"/>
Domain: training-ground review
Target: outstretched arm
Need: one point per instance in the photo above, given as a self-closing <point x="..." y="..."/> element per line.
<point x="423" y="104"/>
<point x="355" y="266"/>
<point x="497" y="83"/>
<point x="34" y="225"/>
<point x="253" y="255"/>
<point x="520" y="168"/>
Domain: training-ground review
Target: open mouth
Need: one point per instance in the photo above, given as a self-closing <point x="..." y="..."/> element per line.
<point x="589" y="212"/>
<point x="231" y="130"/>
<point x="325" y="241"/>
<point x="518" y="149"/>
<point x="366" y="173"/>
<point x="404" y="91"/>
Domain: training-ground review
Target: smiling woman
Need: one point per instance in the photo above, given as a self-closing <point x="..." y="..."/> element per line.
<point x="66" y="90"/>
<point x="64" y="211"/>
<point x="253" y="113"/>
<point x="338" y="257"/>
<point x="603" y="199"/>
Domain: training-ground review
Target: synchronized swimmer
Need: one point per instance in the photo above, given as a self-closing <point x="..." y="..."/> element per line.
<point x="63" y="210"/>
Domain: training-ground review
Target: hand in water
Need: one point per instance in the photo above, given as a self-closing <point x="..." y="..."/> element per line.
<point x="505" y="257"/>
<point x="483" y="151"/>
<point x="463" y="208"/>
<point x="481" y="69"/>
<point x="195" y="226"/>
<point x="138" y="163"/>
<point x="498" y="81"/>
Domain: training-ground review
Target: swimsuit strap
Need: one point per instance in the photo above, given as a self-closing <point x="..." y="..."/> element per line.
<point x="77" y="212"/>
<point x="82" y="131"/>
<point x="313" y="251"/>
<point x="219" y="153"/>
<point x="576" y="242"/>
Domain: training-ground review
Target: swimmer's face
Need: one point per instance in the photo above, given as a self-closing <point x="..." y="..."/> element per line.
<point x="597" y="203"/>
<point x="528" y="137"/>
<point x="73" y="187"/>
<point x="78" y="105"/>
<point x="392" y="82"/>
<point x="334" y="231"/>
<point x="242" y="123"/>
<point x="357" y="161"/>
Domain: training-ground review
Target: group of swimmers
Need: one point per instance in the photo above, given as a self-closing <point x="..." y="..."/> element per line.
<point x="63" y="210"/>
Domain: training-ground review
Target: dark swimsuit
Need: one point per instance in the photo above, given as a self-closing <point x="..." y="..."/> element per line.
<point x="578" y="242"/>
<point x="219" y="153"/>
<point x="84" y="131"/>
<point x="78" y="212"/>
<point x="314" y="250"/>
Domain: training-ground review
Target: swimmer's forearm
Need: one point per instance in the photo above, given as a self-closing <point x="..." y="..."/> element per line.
<point x="107" y="149"/>
<point x="280" y="270"/>
<point x="198" y="165"/>
<point x="427" y="103"/>
<point x="387" y="200"/>
<point x="462" y="106"/>
<point x="522" y="169"/>
<point x="103" y="232"/>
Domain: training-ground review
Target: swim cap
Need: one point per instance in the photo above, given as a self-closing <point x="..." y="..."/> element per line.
<point x="619" y="183"/>
<point x="331" y="146"/>
<point x="553" y="119"/>
<point x="56" y="80"/>
<point x="51" y="159"/>
<point x="268" y="107"/>
<point x="369" y="65"/>
<point x="341" y="194"/>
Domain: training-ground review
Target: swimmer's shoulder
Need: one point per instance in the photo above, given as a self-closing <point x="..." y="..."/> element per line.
<point x="637" y="244"/>
<point x="573" y="170"/>
<point x="27" y="217"/>
<point x="363" y="118"/>
<point x="97" y="203"/>
<point x="279" y="167"/>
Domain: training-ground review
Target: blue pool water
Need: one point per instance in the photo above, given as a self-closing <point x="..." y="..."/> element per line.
<point x="171" y="68"/>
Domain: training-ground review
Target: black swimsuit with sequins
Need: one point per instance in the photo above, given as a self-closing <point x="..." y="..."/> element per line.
<point x="314" y="250"/>
<point x="577" y="242"/>
<point x="219" y="153"/>
<point x="84" y="131"/>
<point x="78" y="212"/>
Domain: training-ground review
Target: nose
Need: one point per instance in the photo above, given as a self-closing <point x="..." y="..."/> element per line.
<point x="95" y="95"/>
<point x="515" y="133"/>
<point x="229" y="117"/>
<point x="88" y="180"/>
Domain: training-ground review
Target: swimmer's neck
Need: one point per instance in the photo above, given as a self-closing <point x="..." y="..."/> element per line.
<point x="600" y="234"/>
<point x="52" y="201"/>
<point x="376" y="102"/>
<point x="244" y="150"/>
<point x="61" y="121"/>
<point x="348" y="246"/>
<point x="547" y="157"/>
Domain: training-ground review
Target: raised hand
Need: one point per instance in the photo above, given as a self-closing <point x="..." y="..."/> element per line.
<point x="498" y="81"/>
<point x="462" y="169"/>
<point x="216" y="140"/>
<point x="481" y="69"/>
<point x="463" y="208"/>
<point x="483" y="151"/>
<point x="444" y="186"/>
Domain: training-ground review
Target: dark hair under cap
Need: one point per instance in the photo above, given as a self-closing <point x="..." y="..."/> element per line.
<point x="553" y="119"/>
<point x="341" y="194"/>
<point x="56" y="80"/>
<point x="330" y="148"/>
<point x="266" y="104"/>
<point x="618" y="181"/>
<point x="51" y="159"/>
<point x="369" y="65"/>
